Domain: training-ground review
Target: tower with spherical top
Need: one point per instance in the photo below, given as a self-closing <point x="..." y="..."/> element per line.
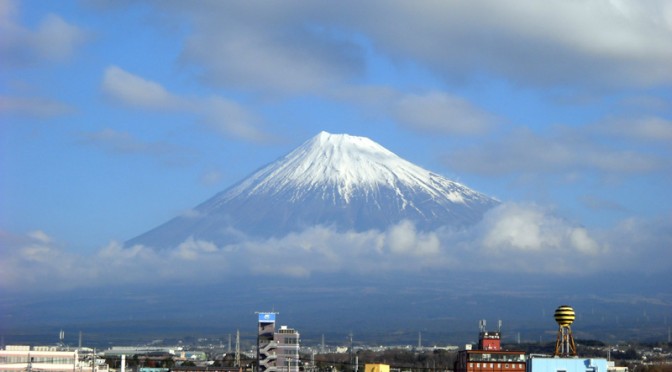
<point x="564" y="346"/>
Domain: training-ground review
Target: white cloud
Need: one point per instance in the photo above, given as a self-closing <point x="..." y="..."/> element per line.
<point x="437" y="112"/>
<point x="432" y="112"/>
<point x="230" y="118"/>
<point x="512" y="238"/>
<point x="649" y="128"/>
<point x="54" y="39"/>
<point x="40" y="236"/>
<point x="297" y="47"/>
<point x="123" y="143"/>
<point x="404" y="239"/>
<point x="566" y="150"/>
<point x="219" y="114"/>
<point x="515" y="228"/>
<point x="211" y="177"/>
<point x="268" y="49"/>
<point x="133" y="90"/>
<point x="557" y="42"/>
<point x="33" y="106"/>
<point x="582" y="242"/>
<point x="528" y="229"/>
<point x="191" y="249"/>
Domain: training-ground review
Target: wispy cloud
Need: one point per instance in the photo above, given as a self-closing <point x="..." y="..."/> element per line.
<point x="132" y="90"/>
<point x="123" y="143"/>
<point x="33" y="106"/>
<point x="647" y="128"/>
<point x="561" y="150"/>
<point x="53" y="40"/>
<point x="221" y="115"/>
<point x="438" y="112"/>
<point x="429" y="112"/>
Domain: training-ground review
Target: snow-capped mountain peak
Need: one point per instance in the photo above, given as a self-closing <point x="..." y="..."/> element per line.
<point x="338" y="180"/>
<point x="341" y="164"/>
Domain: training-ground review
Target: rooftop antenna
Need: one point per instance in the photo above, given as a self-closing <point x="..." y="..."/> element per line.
<point x="351" y="361"/>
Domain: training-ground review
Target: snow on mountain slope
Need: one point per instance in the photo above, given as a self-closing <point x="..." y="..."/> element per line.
<point x="337" y="180"/>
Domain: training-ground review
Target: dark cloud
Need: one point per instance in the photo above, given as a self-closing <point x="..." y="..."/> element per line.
<point x="269" y="48"/>
<point x="297" y="47"/>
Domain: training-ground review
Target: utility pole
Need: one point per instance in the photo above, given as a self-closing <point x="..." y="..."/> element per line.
<point x="351" y="362"/>
<point x="237" y="362"/>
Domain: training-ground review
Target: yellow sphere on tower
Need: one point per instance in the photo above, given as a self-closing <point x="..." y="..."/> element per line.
<point x="564" y="315"/>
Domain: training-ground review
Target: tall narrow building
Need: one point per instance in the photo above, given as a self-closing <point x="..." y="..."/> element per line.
<point x="287" y="341"/>
<point x="266" y="346"/>
<point x="277" y="351"/>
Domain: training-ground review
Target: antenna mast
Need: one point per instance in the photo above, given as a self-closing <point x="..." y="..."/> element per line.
<point x="237" y="362"/>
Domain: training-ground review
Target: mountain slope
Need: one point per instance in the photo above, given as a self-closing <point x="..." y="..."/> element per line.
<point x="337" y="180"/>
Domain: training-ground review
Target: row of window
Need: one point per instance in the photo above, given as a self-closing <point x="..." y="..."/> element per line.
<point x="23" y="360"/>
<point x="497" y="357"/>
<point x="499" y="365"/>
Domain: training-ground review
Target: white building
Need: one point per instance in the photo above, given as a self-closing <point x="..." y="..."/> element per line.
<point x="47" y="359"/>
<point x="22" y="358"/>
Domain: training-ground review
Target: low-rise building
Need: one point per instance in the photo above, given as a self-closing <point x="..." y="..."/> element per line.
<point x="566" y="364"/>
<point x="23" y="358"/>
<point x="489" y="356"/>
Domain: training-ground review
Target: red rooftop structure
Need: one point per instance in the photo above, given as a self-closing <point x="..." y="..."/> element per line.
<point x="489" y="356"/>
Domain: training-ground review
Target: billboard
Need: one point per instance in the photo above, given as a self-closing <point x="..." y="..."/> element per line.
<point x="266" y="317"/>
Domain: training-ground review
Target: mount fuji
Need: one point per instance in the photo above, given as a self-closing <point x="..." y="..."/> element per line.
<point x="335" y="180"/>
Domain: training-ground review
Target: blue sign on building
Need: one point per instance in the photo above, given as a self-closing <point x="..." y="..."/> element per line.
<point x="266" y="317"/>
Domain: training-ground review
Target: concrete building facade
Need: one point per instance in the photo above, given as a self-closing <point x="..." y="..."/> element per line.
<point x="23" y="358"/>
<point x="489" y="356"/>
<point x="287" y="349"/>
<point x="276" y="351"/>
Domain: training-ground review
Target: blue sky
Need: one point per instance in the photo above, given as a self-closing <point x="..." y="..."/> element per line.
<point x="116" y="116"/>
